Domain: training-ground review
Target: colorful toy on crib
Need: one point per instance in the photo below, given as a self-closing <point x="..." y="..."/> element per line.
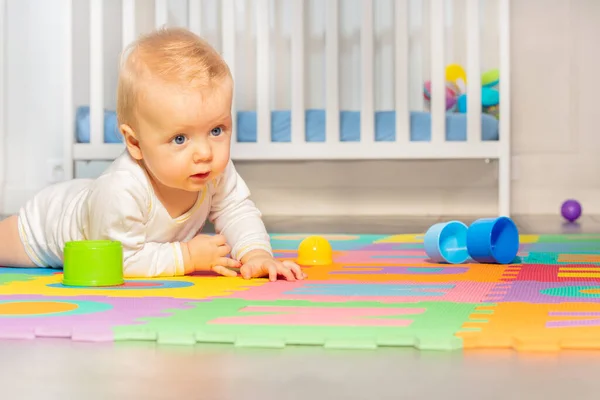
<point x="456" y="90"/>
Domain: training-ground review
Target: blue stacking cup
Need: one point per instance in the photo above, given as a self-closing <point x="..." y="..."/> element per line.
<point x="446" y="242"/>
<point x="493" y="240"/>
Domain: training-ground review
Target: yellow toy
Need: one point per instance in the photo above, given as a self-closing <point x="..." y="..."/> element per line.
<point x="456" y="74"/>
<point x="315" y="250"/>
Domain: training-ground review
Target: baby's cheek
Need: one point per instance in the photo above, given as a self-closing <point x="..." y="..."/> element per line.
<point x="220" y="160"/>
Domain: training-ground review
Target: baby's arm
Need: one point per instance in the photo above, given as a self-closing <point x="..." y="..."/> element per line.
<point x="236" y="217"/>
<point x="118" y="208"/>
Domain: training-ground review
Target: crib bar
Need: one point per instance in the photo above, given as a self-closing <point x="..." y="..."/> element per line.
<point x="473" y="69"/>
<point x="128" y="22"/>
<point x="228" y="37"/>
<point x="401" y="45"/>
<point x="438" y="102"/>
<point x="416" y="17"/>
<point x="332" y="94"/>
<point x="504" y="167"/>
<point x="96" y="73"/>
<point x="298" y="126"/>
<point x="263" y="73"/>
<point x="195" y="16"/>
<point x="67" y="94"/>
<point x="3" y="98"/>
<point x="161" y="13"/>
<point x="367" y="116"/>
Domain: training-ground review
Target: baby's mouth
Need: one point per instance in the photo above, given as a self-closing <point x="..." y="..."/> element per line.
<point x="202" y="175"/>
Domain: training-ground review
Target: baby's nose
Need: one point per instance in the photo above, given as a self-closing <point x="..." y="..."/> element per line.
<point x="202" y="152"/>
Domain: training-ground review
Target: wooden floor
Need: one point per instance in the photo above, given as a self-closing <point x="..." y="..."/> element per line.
<point x="61" y="369"/>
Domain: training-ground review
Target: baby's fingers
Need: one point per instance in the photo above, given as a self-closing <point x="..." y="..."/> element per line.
<point x="283" y="270"/>
<point x="295" y="269"/>
<point x="229" y="262"/>
<point x="221" y="270"/>
<point x="224" y="250"/>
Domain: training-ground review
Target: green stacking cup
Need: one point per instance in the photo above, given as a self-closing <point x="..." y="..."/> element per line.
<point x="93" y="263"/>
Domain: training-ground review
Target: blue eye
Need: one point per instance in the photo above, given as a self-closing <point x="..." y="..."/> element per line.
<point x="216" y="131"/>
<point x="179" y="139"/>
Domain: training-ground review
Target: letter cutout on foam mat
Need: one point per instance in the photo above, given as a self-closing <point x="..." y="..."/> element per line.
<point x="380" y="291"/>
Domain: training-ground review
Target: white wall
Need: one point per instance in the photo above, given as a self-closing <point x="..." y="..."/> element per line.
<point x="34" y="82"/>
<point x="554" y="135"/>
<point x="2" y="104"/>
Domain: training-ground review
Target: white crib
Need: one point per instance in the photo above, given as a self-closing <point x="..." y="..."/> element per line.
<point x="295" y="143"/>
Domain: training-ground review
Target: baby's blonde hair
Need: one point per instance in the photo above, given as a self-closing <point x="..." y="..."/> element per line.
<point x="171" y="55"/>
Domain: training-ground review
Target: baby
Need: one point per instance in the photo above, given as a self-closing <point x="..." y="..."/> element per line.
<point x="174" y="103"/>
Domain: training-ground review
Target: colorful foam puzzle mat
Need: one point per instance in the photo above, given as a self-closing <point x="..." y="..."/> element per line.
<point x="381" y="291"/>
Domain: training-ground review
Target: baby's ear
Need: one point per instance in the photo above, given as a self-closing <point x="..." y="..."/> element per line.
<point x="131" y="141"/>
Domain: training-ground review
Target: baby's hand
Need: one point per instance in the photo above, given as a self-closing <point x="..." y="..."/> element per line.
<point x="259" y="263"/>
<point x="208" y="253"/>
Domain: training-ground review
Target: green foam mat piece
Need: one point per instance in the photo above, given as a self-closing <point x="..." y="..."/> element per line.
<point x="427" y="325"/>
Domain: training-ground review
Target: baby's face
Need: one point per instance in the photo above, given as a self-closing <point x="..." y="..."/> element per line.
<point x="185" y="135"/>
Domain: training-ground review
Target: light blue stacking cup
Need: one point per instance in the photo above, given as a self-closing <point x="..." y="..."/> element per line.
<point x="493" y="240"/>
<point x="446" y="242"/>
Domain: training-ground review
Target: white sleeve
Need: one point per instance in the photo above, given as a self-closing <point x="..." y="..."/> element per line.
<point x="118" y="208"/>
<point x="236" y="217"/>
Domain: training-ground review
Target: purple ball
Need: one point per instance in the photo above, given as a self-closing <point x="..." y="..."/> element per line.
<point x="571" y="210"/>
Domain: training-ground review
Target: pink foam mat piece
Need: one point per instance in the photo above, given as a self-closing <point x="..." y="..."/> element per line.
<point x="93" y="319"/>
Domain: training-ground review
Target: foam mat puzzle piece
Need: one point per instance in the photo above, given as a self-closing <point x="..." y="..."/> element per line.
<point x="559" y="238"/>
<point x="78" y="317"/>
<point x="385" y="292"/>
<point x="546" y="292"/>
<point x="535" y="327"/>
<point x="396" y="272"/>
<point x="426" y="325"/>
<point x="29" y="271"/>
<point x="540" y="258"/>
<point x="9" y="274"/>
<point x="402" y="238"/>
<point x="573" y="247"/>
<point x="557" y="273"/>
<point x="414" y="256"/>
<point x="580" y="258"/>
<point x="563" y="257"/>
<point x="7" y="279"/>
<point x="525" y="239"/>
<point x="339" y="242"/>
<point x="393" y="246"/>
<point x="582" y="272"/>
<point x="188" y="287"/>
<point x="572" y="259"/>
<point x="418" y="270"/>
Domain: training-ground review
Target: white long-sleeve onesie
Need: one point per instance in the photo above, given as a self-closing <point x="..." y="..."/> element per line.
<point x="121" y="205"/>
